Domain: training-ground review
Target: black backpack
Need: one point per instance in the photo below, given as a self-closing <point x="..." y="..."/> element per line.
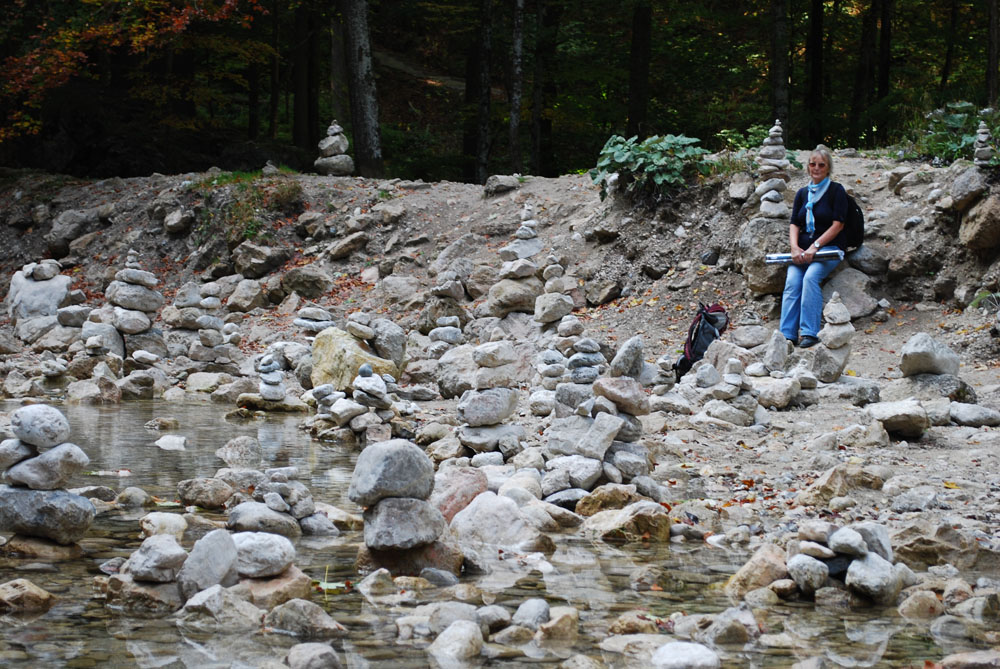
<point x="708" y="324"/>
<point x="854" y="226"/>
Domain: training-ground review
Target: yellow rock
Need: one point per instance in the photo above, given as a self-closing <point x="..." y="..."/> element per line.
<point x="337" y="356"/>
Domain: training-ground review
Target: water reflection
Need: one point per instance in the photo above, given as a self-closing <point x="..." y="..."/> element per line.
<point x="594" y="577"/>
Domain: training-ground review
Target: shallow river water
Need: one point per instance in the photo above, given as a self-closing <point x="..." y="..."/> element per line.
<point x="591" y="576"/>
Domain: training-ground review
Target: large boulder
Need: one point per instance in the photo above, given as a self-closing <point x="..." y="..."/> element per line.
<point x="759" y="237"/>
<point x="309" y="281"/>
<point x="27" y="298"/>
<point x="509" y="295"/>
<point x="50" y="514"/>
<point x="637" y="521"/>
<point x="337" y="356"/>
<point x="212" y="561"/>
<point x="254" y="261"/>
<point x="980" y="228"/>
<point x="495" y="521"/>
<point x="922" y="354"/>
<point x="400" y="523"/>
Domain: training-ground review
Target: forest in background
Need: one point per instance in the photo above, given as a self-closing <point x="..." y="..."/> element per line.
<point x="458" y="89"/>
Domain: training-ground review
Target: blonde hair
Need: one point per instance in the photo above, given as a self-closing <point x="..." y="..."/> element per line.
<point x="823" y="151"/>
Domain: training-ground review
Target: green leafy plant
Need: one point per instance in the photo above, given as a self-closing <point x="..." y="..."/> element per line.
<point x="734" y="140"/>
<point x="950" y="132"/>
<point x="986" y="300"/>
<point x="653" y="166"/>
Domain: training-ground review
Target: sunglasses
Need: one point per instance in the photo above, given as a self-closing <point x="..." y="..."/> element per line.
<point x="817" y="164"/>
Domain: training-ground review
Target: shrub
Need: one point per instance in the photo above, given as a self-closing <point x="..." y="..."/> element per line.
<point x="286" y="197"/>
<point x="652" y="167"/>
<point x="950" y="132"/>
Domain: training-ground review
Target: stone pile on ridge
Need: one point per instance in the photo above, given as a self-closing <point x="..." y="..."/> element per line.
<point x="518" y="286"/>
<point x="392" y="481"/>
<point x="314" y="319"/>
<point x="272" y="380"/>
<point x="446" y="336"/>
<point x="204" y="337"/>
<point x="333" y="159"/>
<point x="772" y="158"/>
<point x="982" y="147"/>
<point x="554" y="304"/>
<point x="37" y="464"/>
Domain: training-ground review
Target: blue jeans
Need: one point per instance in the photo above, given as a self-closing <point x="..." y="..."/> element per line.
<point x="802" y="301"/>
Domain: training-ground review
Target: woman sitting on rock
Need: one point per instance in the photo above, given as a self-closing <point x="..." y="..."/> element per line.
<point x="818" y="217"/>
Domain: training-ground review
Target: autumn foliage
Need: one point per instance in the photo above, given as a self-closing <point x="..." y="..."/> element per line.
<point x="44" y="45"/>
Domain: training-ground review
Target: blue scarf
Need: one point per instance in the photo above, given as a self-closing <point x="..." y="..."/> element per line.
<point x="816" y="192"/>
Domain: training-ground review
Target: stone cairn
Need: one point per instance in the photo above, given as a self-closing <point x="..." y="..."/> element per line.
<point x="599" y="440"/>
<point x="272" y="380"/>
<point x="446" y="336"/>
<point x="835" y="341"/>
<point x="37" y="293"/>
<point x="554" y="304"/>
<point x="773" y="166"/>
<point x="214" y="343"/>
<point x="392" y="481"/>
<point x="314" y="319"/>
<point x="366" y="414"/>
<point x="983" y="151"/>
<point x="38" y="462"/>
<point x="333" y="159"/>
<point x="136" y="302"/>
<point x="484" y="409"/>
<point x="552" y="366"/>
<point x="860" y="556"/>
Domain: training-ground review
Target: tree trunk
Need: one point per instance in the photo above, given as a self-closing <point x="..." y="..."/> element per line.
<point x="300" y="79"/>
<point x="485" y="91"/>
<point x="992" y="49"/>
<point x="885" y="47"/>
<point x="814" y="73"/>
<point x="638" y="81"/>
<point x="516" y="87"/>
<point x="364" y="103"/>
<point x="312" y="99"/>
<point x="253" y="100"/>
<point x="864" y="76"/>
<point x="949" y="52"/>
<point x="828" y="55"/>
<point x="470" y="110"/>
<point x="339" y="96"/>
<point x="275" y="92"/>
<point x="544" y="87"/>
<point x="779" y="61"/>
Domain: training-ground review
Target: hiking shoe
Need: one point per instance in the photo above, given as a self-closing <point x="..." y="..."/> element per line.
<point x="808" y="340"/>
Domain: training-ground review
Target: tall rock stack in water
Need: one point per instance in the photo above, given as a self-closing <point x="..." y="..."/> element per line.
<point x="392" y="481"/>
<point x="39" y="461"/>
<point x="136" y="302"/>
<point x="333" y="159"/>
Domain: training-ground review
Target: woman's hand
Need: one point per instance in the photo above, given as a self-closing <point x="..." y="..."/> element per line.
<point x="798" y="255"/>
<point x="809" y="254"/>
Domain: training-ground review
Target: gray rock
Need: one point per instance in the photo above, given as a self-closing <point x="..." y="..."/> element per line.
<point x="531" y="613"/>
<point x="551" y="307"/>
<point x="216" y="610"/>
<point x="262" y="554"/>
<point x="57" y="515"/>
<point x="495" y="521"/>
<point x="312" y="656"/>
<point x="395" y="468"/>
<point x="459" y="642"/>
<point x="922" y="354"/>
<point x="906" y="417"/>
<point x="685" y="655"/>
<point x="39" y="425"/>
<point x="254" y="260"/>
<point x="876" y="538"/>
<point x="341" y="165"/>
<point x="875" y="578"/>
<point x="13" y="451"/>
<point x="242" y="452"/>
<point x="494" y="354"/>
<point x="628" y="360"/>
<point x="583" y="472"/>
<point x="212" y="561"/>
<point x="208" y="493"/>
<point x="776" y="353"/>
<point x="304" y="620"/>
<point x="487" y="407"/>
<point x="258" y="517"/>
<point x="50" y="470"/>
<point x="133" y="296"/>
<point x="399" y="523"/>
<point x="830" y="363"/>
<point x="848" y="542"/>
<point x="852" y="285"/>
<point x="157" y="560"/>
<point x="974" y="415"/>
<point x="30" y="299"/>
